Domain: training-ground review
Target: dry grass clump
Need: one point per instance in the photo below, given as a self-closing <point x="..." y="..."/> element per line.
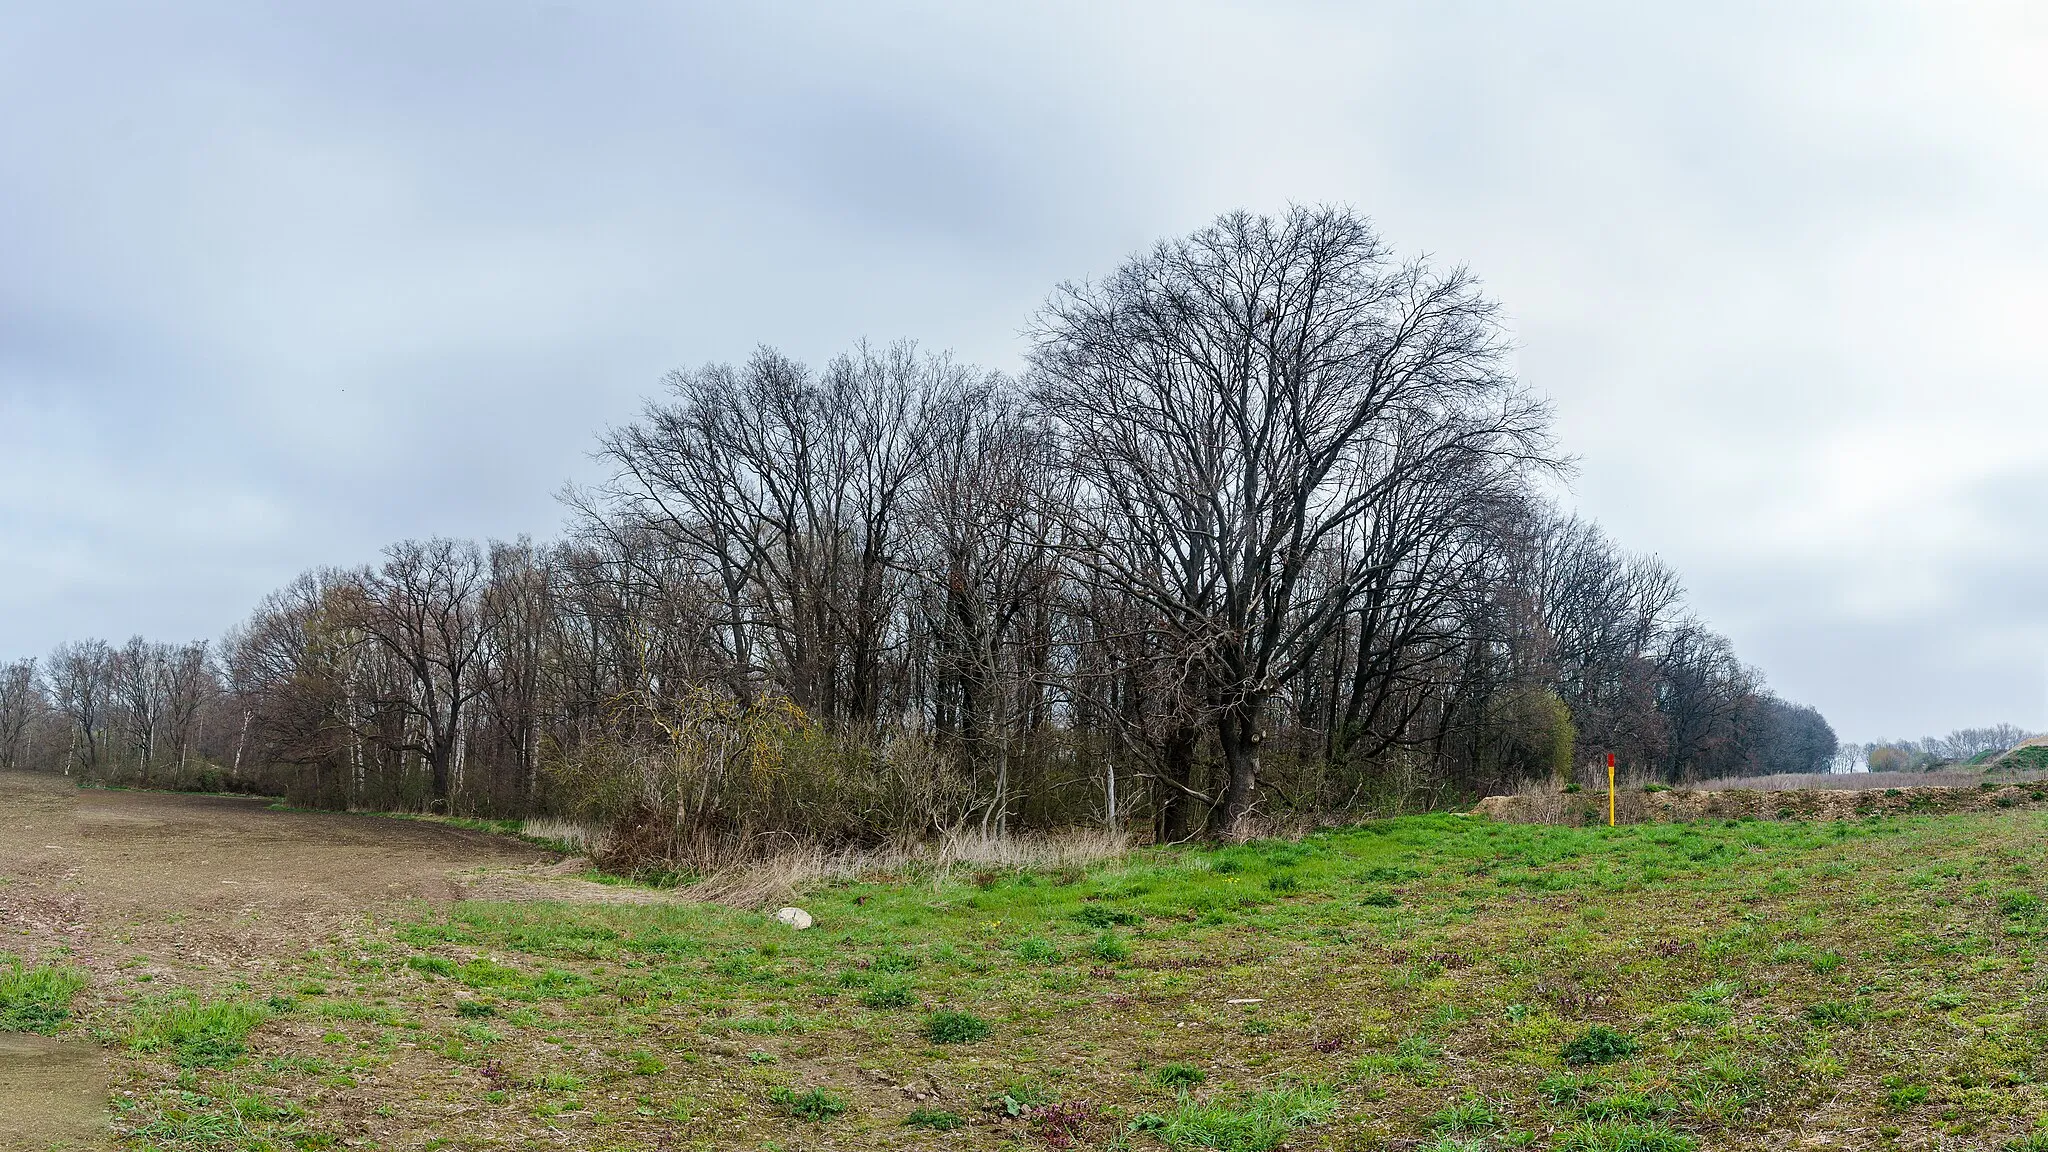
<point x="752" y="880"/>
<point x="564" y="832"/>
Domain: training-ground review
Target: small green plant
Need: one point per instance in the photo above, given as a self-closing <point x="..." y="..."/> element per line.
<point x="1103" y="916"/>
<point x="1416" y="1058"/>
<point x="2019" y="902"/>
<point x="1111" y="947"/>
<point x="1572" y="788"/>
<point x="1178" y="1075"/>
<point x="1833" y="1014"/>
<point x="1566" y="1087"/>
<point x="889" y="996"/>
<point x="934" y="1119"/>
<point x="431" y="965"/>
<point x="1283" y="883"/>
<point x="1379" y="900"/>
<point x="1467" y="1116"/>
<point x="1628" y="1106"/>
<point x="815" y="1105"/>
<point x="1598" y="1045"/>
<point x="955" y="1028"/>
<point x="1655" y="787"/>
<point x="37" y="999"/>
<point x="1905" y="1096"/>
<point x="1033" y="950"/>
<point x="474" y="1008"/>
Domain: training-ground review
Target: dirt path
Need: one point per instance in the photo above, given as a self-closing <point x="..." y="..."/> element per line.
<point x="146" y="888"/>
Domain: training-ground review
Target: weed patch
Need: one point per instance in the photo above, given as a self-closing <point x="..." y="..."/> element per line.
<point x="37" y="999"/>
<point x="1252" y="1122"/>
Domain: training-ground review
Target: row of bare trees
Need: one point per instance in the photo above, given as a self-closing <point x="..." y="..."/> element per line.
<point x="1258" y="533"/>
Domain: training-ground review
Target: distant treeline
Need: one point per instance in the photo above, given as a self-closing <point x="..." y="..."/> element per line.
<point x="1963" y="746"/>
<point x="1258" y="535"/>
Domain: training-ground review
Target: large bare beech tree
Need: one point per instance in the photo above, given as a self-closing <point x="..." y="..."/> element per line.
<point x="1233" y="402"/>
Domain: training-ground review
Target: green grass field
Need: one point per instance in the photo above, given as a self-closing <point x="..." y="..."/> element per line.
<point x="1433" y="982"/>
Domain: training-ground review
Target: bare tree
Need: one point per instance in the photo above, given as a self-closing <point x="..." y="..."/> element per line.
<point x="1233" y="402"/>
<point x="21" y="702"/>
<point x="81" y="679"/>
<point x="425" y="608"/>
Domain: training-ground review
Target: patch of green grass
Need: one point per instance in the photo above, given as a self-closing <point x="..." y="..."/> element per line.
<point x="935" y="1120"/>
<point x="1466" y="1117"/>
<point x="1246" y="1122"/>
<point x="1104" y="916"/>
<point x="1111" y="947"/>
<point x="1598" y="1044"/>
<point x="814" y="1105"/>
<point x="1416" y="1057"/>
<point x="1623" y="1136"/>
<point x="1833" y="1014"/>
<point x="955" y="1028"/>
<point x="37" y="999"/>
<point x="1178" y="1075"/>
<point x="886" y="996"/>
<point x="198" y="1034"/>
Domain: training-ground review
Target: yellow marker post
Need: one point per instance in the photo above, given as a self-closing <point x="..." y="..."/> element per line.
<point x="1610" y="789"/>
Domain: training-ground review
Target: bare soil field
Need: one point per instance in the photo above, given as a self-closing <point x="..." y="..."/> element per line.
<point x="203" y="893"/>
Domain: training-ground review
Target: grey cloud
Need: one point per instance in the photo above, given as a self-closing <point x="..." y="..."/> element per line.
<point x="280" y="285"/>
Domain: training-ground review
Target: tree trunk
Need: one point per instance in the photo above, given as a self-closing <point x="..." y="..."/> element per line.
<point x="1174" y="814"/>
<point x="1239" y="732"/>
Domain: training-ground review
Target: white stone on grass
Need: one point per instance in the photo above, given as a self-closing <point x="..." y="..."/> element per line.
<point x="796" y="918"/>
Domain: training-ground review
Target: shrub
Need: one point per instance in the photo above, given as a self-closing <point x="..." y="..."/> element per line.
<point x="814" y="1105"/>
<point x="1178" y="1075"/>
<point x="37" y="999"/>
<point x="1598" y="1045"/>
<point x="935" y="1119"/>
<point x="955" y="1028"/>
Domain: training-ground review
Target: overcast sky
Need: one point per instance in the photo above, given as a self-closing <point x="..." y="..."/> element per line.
<point x="278" y="287"/>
